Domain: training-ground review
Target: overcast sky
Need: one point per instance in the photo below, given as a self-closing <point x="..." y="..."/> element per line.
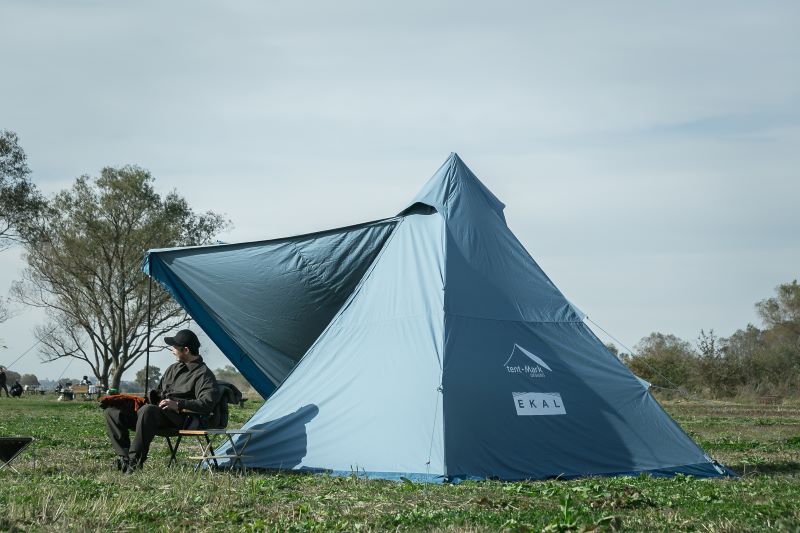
<point x="647" y="153"/>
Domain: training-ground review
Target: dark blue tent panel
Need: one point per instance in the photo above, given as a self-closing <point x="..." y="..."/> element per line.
<point x="264" y="303"/>
<point x="430" y="345"/>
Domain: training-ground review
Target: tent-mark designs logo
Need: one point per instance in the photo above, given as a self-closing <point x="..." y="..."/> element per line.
<point x="532" y="365"/>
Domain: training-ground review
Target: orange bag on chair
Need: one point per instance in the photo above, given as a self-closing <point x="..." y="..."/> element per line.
<point x="122" y="401"/>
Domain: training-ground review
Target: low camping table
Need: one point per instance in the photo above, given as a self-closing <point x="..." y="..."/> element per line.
<point x="207" y="456"/>
<point x="10" y="448"/>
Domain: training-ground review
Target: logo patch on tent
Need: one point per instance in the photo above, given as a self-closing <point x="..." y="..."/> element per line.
<point x="538" y="403"/>
<point x="521" y="361"/>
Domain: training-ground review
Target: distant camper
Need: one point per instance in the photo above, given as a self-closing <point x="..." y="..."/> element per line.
<point x="92" y="388"/>
<point x="3" y="381"/>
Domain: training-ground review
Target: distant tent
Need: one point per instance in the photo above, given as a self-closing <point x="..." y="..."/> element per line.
<point x="429" y="345"/>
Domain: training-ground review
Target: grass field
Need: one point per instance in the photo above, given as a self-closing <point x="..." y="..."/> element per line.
<point x="71" y="486"/>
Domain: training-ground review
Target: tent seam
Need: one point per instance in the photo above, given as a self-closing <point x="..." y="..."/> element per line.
<point x="335" y="318"/>
<point x="512" y="320"/>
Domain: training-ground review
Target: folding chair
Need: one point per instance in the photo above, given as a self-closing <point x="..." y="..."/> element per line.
<point x="178" y="434"/>
<point x="10" y="448"/>
<point x="173" y="448"/>
<point x="208" y="453"/>
<point x="217" y="419"/>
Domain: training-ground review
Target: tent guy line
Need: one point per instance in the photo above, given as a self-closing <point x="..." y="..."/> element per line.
<point x="34" y="345"/>
<point x="676" y="388"/>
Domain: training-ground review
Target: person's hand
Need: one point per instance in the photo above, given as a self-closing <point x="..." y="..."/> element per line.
<point x="170" y="405"/>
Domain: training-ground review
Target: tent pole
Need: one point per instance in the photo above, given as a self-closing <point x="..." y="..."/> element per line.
<point x="147" y="357"/>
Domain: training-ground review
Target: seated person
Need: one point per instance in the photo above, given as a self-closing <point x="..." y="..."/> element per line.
<point x="187" y="384"/>
<point x="16" y="389"/>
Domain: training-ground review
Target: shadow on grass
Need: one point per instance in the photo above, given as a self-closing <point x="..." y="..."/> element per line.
<point x="772" y="468"/>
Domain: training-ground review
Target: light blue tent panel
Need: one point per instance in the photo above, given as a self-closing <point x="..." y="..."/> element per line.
<point x="430" y="345"/>
<point x="370" y="384"/>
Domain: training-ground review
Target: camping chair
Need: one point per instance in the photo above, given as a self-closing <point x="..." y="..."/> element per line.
<point x="10" y="448"/>
<point x="217" y="419"/>
<point x="170" y="433"/>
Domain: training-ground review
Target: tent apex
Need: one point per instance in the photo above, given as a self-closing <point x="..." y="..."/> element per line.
<point x="454" y="180"/>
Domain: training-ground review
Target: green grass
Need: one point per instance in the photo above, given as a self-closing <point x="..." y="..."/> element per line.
<point x="71" y="487"/>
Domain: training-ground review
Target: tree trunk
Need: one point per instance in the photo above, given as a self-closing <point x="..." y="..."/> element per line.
<point x="116" y="377"/>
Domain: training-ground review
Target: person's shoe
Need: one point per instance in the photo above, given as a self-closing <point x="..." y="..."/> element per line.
<point x="121" y="463"/>
<point x="135" y="463"/>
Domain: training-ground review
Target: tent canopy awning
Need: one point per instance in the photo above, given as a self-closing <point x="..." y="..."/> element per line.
<point x="264" y="303"/>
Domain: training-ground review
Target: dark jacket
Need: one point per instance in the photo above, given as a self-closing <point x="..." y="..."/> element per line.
<point x="228" y="394"/>
<point x="192" y="385"/>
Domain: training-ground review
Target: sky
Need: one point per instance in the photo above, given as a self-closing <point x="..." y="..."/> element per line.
<point x="647" y="153"/>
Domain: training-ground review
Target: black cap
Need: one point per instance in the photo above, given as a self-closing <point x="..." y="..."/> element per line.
<point x="184" y="339"/>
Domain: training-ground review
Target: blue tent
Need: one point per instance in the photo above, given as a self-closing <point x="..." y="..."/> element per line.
<point x="429" y="345"/>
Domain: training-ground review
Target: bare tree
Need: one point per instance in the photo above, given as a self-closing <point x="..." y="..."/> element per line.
<point x="85" y="271"/>
<point x="5" y="313"/>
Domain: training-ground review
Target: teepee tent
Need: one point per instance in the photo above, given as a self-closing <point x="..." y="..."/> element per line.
<point x="429" y="345"/>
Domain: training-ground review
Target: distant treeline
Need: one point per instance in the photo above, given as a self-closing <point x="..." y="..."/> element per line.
<point x="752" y="362"/>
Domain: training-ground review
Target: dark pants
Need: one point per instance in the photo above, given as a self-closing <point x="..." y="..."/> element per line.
<point x="146" y="422"/>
